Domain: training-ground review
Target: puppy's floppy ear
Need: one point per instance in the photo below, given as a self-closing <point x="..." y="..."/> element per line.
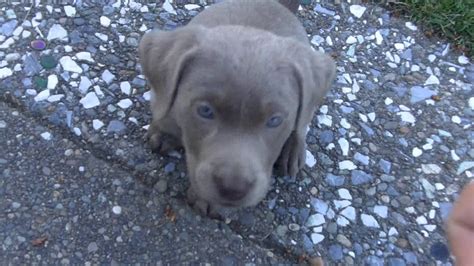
<point x="163" y="57"/>
<point x="315" y="73"/>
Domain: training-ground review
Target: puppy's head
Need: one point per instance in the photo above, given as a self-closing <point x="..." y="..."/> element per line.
<point x="236" y="93"/>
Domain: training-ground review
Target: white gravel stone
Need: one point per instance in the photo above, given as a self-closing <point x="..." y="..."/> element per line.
<point x="31" y="92"/>
<point x="70" y="65"/>
<point x="349" y="213"/>
<point x="97" y="124"/>
<point x="471" y="103"/>
<point x="439" y="186"/>
<point x="341" y="204"/>
<point x="378" y="38"/>
<point x="316" y="238"/>
<point x="52" y="81"/>
<point x="407" y="117"/>
<point x="125" y="87"/>
<point x="107" y="76"/>
<point x="344" y="194"/>
<point x="70" y="11"/>
<point x="431" y="58"/>
<point x="357" y="10"/>
<point x="399" y="46"/>
<point x="317" y="40"/>
<point x="342" y="221"/>
<point x="371" y="116"/>
<point x="325" y="120"/>
<point x="351" y="40"/>
<point x="5" y="72"/>
<point x="77" y="131"/>
<point x="455" y="156"/>
<point x="85" y="84"/>
<point x="191" y="6"/>
<point x="125" y="103"/>
<point x="310" y="160"/>
<point x="411" y="26"/>
<point x="431" y="168"/>
<point x="388" y="101"/>
<point x="17" y="31"/>
<point x="25" y="34"/>
<point x="6" y="44"/>
<point x="168" y="7"/>
<point x="147" y="96"/>
<point x="329" y="40"/>
<point x="90" y="100"/>
<point x="416" y="152"/>
<point x="432" y="80"/>
<point x="464" y="166"/>
<point x="315" y="220"/>
<point x="84" y="56"/>
<point x="421" y="220"/>
<point x="57" y="32"/>
<point x="456" y="119"/>
<point x="463" y="60"/>
<point x="344" y="144"/>
<point x="104" y="21"/>
<point x="46" y="135"/>
<point x="117" y="210"/>
<point x="55" y="98"/>
<point x="347" y="165"/>
<point x="381" y="211"/>
<point x="345" y="124"/>
<point x="102" y="36"/>
<point x="392" y="231"/>
<point x="369" y="221"/>
<point x="43" y="95"/>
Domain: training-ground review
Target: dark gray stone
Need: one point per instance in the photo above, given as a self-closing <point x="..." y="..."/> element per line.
<point x="385" y="166"/>
<point x="319" y="205"/>
<point x="170" y="167"/>
<point x="326" y="137"/>
<point x="334" y="180"/>
<point x="335" y="252"/>
<point x="445" y="209"/>
<point x="116" y="126"/>
<point x="374" y="261"/>
<point x="359" y="177"/>
<point x="396" y="262"/>
<point x="31" y="66"/>
<point x="420" y="93"/>
<point x="410" y="258"/>
<point x="8" y="27"/>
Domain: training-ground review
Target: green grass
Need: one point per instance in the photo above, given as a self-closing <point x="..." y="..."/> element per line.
<point x="451" y="19"/>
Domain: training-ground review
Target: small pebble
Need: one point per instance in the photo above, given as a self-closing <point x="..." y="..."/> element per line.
<point x="117" y="210"/>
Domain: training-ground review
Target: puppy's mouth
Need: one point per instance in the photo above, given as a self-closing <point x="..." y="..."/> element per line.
<point x="231" y="204"/>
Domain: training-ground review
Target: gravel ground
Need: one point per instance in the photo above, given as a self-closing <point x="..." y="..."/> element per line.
<point x="392" y="146"/>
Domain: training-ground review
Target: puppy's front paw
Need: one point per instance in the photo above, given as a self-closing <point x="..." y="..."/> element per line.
<point x="201" y="206"/>
<point x="160" y="142"/>
<point x="292" y="157"/>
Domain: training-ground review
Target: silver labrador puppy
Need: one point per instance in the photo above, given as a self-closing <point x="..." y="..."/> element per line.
<point x="236" y="88"/>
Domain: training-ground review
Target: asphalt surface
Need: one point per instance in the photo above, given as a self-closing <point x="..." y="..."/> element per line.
<point x="62" y="205"/>
<point x="392" y="146"/>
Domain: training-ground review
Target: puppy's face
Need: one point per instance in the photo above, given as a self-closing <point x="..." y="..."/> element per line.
<point x="235" y="112"/>
<point x="236" y="94"/>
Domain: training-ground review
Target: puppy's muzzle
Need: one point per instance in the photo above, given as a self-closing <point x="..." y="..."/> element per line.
<point x="233" y="188"/>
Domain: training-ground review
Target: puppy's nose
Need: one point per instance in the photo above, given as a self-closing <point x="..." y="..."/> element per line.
<point x="234" y="189"/>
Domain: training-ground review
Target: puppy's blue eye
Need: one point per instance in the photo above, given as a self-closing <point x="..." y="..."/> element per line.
<point x="275" y="121"/>
<point x="205" y="111"/>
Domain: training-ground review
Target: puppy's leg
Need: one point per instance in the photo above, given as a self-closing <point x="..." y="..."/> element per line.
<point x="201" y="206"/>
<point x="160" y="141"/>
<point x="292" y="156"/>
